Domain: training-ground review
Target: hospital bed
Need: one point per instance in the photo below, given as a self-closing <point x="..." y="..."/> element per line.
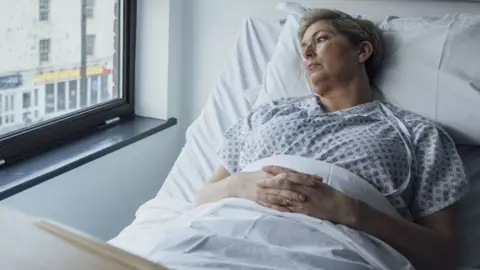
<point x="238" y="89"/>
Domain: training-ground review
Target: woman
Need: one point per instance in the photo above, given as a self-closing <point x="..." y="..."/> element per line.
<point x="421" y="175"/>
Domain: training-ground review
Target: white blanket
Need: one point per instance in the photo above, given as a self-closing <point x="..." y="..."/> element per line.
<point x="240" y="234"/>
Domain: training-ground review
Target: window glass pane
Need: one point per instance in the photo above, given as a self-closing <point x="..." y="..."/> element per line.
<point x="36" y="98"/>
<point x="7" y="104"/>
<point x="27" y="102"/>
<point x="41" y="74"/>
<point x="104" y="88"/>
<point x="90" y="45"/>
<point x="90" y="8"/>
<point x="49" y="98"/>
<point x="44" y="9"/>
<point x="1" y="104"/>
<point x="61" y="97"/>
<point x="44" y="50"/>
<point x="72" y="100"/>
<point x="93" y="90"/>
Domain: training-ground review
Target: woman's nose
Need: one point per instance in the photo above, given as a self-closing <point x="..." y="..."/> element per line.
<point x="309" y="52"/>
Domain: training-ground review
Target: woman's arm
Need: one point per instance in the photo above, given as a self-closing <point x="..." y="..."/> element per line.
<point x="215" y="189"/>
<point x="430" y="244"/>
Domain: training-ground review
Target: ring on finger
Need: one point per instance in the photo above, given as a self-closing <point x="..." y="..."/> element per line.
<point x="289" y="202"/>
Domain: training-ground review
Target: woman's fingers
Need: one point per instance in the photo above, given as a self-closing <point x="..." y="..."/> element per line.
<point x="273" y="206"/>
<point x="287" y="180"/>
<point x="277" y="169"/>
<point x="279" y="196"/>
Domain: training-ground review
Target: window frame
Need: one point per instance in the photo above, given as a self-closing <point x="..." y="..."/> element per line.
<point x="44" y="10"/>
<point x="40" y="137"/>
<point x="89" y="9"/>
<point x="48" y="45"/>
<point x="91" y="40"/>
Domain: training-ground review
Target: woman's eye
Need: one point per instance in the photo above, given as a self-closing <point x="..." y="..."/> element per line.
<point x="321" y="39"/>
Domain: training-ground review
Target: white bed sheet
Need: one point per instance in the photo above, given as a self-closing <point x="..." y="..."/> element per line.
<point x="229" y="101"/>
<point x="232" y="97"/>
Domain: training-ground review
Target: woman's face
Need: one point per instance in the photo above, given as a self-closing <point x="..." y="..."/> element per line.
<point x="329" y="57"/>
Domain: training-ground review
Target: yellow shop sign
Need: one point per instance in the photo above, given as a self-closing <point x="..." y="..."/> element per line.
<point x="68" y="74"/>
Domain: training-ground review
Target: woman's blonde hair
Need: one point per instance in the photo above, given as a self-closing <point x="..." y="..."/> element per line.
<point x="355" y="30"/>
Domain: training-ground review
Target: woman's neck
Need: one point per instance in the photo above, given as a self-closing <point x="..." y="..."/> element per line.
<point x="345" y="96"/>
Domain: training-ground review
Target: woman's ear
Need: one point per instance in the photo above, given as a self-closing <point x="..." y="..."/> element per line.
<point x="365" y="51"/>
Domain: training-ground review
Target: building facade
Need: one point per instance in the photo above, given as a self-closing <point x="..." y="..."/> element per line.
<point x="40" y="59"/>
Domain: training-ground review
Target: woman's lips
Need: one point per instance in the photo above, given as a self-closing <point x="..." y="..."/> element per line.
<point x="311" y="66"/>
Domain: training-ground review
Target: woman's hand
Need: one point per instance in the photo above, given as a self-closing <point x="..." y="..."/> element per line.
<point x="284" y="194"/>
<point x="322" y="201"/>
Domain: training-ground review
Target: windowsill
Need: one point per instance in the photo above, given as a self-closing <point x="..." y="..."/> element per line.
<point x="36" y="170"/>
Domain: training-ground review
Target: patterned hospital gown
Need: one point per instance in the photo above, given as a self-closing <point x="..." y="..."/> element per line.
<point x="358" y="139"/>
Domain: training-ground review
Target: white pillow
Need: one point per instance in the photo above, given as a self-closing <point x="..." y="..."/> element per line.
<point x="285" y="75"/>
<point x="433" y="70"/>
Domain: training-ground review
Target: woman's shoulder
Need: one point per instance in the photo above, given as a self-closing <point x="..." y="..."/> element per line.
<point x="419" y="125"/>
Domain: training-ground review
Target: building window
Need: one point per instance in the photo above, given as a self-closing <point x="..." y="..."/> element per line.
<point x="89" y="8"/>
<point x="61" y="96"/>
<point x="12" y="103"/>
<point x="104" y="88"/>
<point x="72" y="92"/>
<point x="65" y="101"/>
<point x="90" y="50"/>
<point x="93" y="90"/>
<point x="44" y="10"/>
<point x="7" y="104"/>
<point x="35" y="97"/>
<point x="44" y="50"/>
<point x="27" y="100"/>
<point x="49" y="98"/>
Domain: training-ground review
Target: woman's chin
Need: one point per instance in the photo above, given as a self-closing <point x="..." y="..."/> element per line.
<point x="317" y="78"/>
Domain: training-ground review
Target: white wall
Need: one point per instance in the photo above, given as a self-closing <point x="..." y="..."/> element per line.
<point x="101" y="197"/>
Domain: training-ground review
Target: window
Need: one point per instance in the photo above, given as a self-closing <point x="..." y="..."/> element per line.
<point x="72" y="91"/>
<point x="44" y="50"/>
<point x="67" y="94"/>
<point x="89" y="8"/>
<point x="49" y="98"/>
<point x="61" y="96"/>
<point x="7" y="104"/>
<point x="90" y="45"/>
<point x="104" y="88"/>
<point x="36" y="97"/>
<point x="27" y="100"/>
<point x="44" y="10"/>
<point x="1" y="106"/>
<point x="93" y="90"/>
